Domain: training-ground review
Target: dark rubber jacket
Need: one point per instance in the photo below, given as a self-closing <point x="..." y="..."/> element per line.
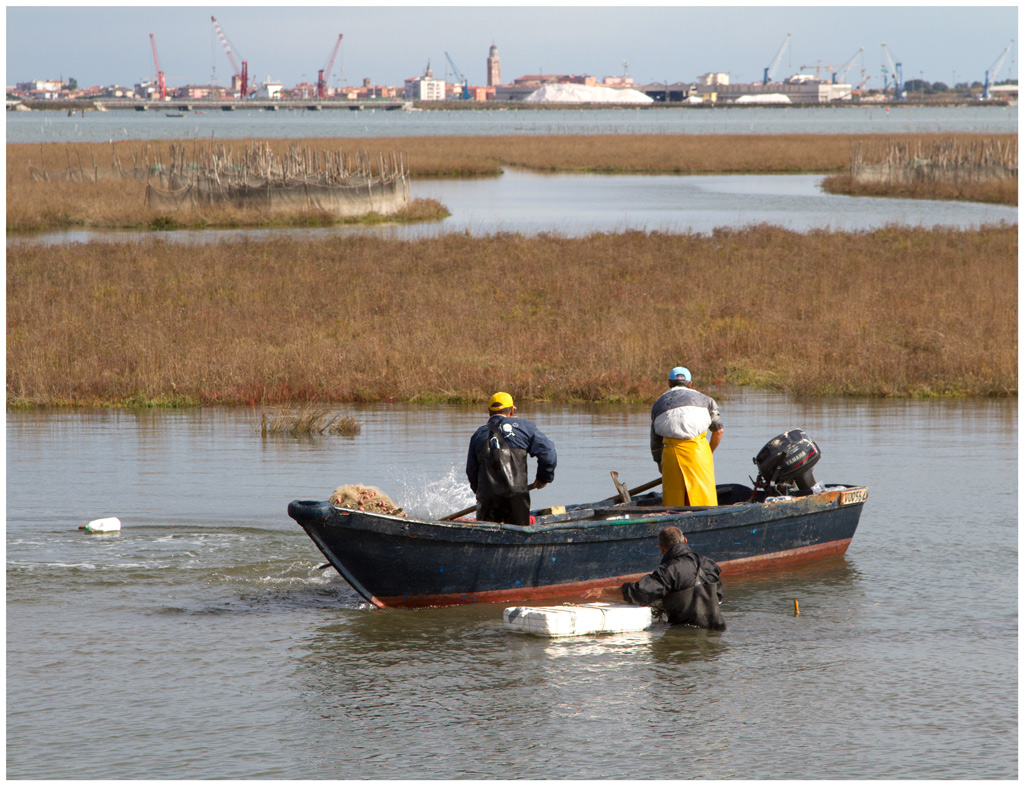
<point x="686" y="584"/>
<point x="496" y="465"/>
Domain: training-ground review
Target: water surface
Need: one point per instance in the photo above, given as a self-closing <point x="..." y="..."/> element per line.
<point x="33" y="127"/>
<point x="574" y="205"/>
<point x="203" y="641"/>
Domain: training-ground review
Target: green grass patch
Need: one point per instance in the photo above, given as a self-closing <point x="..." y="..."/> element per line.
<point x="307" y="422"/>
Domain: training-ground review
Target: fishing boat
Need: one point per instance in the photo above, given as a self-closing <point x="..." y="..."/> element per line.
<point x="565" y="552"/>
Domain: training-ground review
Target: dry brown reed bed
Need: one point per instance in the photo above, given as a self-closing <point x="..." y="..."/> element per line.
<point x="893" y="312"/>
<point x="104" y="186"/>
<point x="112" y="203"/>
<point x="978" y="169"/>
<point x="996" y="192"/>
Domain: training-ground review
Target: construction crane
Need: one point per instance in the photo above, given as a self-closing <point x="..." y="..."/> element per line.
<point x="844" y="69"/>
<point x="994" y="70"/>
<point x="896" y="70"/>
<point x="324" y="73"/>
<point x="160" y="80"/>
<point x="769" y="72"/>
<point x="241" y="73"/>
<point x="463" y="82"/>
<point x="817" y="69"/>
<point x="838" y="71"/>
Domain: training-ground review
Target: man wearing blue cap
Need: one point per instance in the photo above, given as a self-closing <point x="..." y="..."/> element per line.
<point x="685" y="430"/>
<point x="496" y="465"/>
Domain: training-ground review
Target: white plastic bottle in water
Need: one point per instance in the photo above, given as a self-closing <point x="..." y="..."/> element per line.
<point x="111" y="524"/>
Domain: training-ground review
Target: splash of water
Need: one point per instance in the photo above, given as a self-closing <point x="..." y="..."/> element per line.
<point x="434" y="498"/>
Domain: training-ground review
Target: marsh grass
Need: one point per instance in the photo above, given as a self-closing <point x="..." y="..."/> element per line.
<point x="997" y="192"/>
<point x="978" y="169"/>
<point x="114" y="203"/>
<point x="117" y="204"/>
<point x="308" y="422"/>
<point x="980" y="158"/>
<point x="906" y="312"/>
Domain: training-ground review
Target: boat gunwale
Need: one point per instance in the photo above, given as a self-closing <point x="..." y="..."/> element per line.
<point x="319" y="518"/>
<point x="777" y="509"/>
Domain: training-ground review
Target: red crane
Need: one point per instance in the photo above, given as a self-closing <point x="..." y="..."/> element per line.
<point x="242" y="74"/>
<point x="161" y="82"/>
<point x="324" y="73"/>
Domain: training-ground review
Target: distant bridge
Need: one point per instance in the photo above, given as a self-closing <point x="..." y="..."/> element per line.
<point x="230" y="105"/>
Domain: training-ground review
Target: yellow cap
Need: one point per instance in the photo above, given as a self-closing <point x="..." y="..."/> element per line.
<point x="500" y="401"/>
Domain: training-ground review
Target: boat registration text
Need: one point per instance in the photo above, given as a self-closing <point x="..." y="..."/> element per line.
<point x="853" y="497"/>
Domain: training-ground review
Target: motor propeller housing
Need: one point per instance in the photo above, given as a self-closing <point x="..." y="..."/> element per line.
<point x="787" y="459"/>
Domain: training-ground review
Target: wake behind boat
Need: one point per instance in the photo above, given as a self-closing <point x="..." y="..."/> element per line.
<point x="395" y="561"/>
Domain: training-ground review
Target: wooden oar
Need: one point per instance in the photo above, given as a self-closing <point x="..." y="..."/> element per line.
<point x="615" y="477"/>
<point x="626" y="495"/>
<point x="460" y="514"/>
<point x="467" y="511"/>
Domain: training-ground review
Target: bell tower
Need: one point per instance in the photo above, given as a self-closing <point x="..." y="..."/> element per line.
<point x="493" y="67"/>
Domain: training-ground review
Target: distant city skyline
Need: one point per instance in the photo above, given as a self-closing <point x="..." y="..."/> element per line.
<point x="104" y="45"/>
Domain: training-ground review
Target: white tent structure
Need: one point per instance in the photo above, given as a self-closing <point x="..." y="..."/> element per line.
<point x="584" y="94"/>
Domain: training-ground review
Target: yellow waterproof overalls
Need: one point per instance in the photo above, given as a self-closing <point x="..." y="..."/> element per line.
<point x="688" y="472"/>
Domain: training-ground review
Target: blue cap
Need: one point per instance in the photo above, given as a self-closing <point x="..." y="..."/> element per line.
<point x="679" y="373"/>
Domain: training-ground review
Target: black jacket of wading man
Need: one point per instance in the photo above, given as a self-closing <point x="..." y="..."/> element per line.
<point x="496" y="466"/>
<point x="687" y="585"/>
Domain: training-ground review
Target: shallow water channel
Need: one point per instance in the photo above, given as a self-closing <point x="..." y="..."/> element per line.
<point x="574" y="205"/>
<point x="203" y="641"/>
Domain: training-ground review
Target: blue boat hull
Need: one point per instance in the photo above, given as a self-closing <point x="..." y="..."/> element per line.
<point x="398" y="561"/>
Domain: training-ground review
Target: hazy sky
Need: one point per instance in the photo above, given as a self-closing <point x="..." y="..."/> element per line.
<point x="102" y="45"/>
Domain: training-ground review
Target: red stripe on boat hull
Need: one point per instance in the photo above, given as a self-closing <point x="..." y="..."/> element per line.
<point x="574" y="590"/>
<point x="836" y="548"/>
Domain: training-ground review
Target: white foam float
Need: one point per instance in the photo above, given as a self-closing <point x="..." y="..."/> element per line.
<point x="581" y="620"/>
<point x="110" y="524"/>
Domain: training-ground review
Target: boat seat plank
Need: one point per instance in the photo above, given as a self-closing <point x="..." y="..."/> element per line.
<point x="648" y="510"/>
<point x="570" y="515"/>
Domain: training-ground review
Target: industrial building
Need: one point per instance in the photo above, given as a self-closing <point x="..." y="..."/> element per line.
<point x="798" y="89"/>
<point x="269" y="90"/>
<point x="675" y="92"/>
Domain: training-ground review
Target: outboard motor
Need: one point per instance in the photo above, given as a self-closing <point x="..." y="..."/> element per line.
<point x="787" y="459"/>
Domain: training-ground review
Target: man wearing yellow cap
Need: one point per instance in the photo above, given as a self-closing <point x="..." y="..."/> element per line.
<point x="496" y="466"/>
<point x="685" y="430"/>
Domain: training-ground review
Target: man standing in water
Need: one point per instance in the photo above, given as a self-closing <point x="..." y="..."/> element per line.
<point x="686" y="587"/>
<point x="496" y="466"/>
<point x="681" y="419"/>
